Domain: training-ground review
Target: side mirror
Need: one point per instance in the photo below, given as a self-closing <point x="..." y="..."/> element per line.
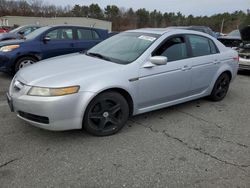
<point x="159" y="60"/>
<point x="46" y="39"/>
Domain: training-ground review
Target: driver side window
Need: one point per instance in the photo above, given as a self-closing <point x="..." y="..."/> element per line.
<point x="174" y="49"/>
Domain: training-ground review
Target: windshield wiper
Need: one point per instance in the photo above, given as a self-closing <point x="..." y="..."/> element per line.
<point x="99" y="56"/>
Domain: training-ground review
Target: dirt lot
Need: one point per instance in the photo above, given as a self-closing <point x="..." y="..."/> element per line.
<point x="196" y="144"/>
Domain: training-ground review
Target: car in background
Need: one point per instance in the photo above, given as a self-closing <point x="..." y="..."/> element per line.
<point x="239" y="40"/>
<point x="47" y="42"/>
<point x="113" y="33"/>
<point x="128" y="74"/>
<point x="203" y="29"/>
<point x="4" y="29"/>
<point x="244" y="49"/>
<point x="18" y="33"/>
<point x="232" y="39"/>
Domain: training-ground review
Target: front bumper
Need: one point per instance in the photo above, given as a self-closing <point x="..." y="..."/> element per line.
<point x="244" y="64"/>
<point x="6" y="63"/>
<point x="52" y="113"/>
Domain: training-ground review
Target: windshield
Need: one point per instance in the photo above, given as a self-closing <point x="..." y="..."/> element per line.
<point x="235" y="33"/>
<point x="36" y="33"/>
<point x="123" y="48"/>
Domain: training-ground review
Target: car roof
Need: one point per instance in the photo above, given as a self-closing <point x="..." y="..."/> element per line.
<point x="68" y="25"/>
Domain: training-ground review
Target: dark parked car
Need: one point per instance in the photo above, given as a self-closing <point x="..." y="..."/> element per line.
<point x="244" y="49"/>
<point x="113" y="33"/>
<point x="239" y="39"/>
<point x="47" y="42"/>
<point x="18" y="33"/>
<point x="233" y="39"/>
<point x="203" y="29"/>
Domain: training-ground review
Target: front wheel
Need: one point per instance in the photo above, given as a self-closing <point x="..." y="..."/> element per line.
<point x="24" y="62"/>
<point x="220" y="87"/>
<point x="106" y="114"/>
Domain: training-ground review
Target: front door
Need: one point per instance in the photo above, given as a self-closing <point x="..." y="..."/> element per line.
<point x="61" y="42"/>
<point x="166" y="83"/>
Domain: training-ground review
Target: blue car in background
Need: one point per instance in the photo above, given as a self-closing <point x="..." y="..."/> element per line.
<point x="47" y="42"/>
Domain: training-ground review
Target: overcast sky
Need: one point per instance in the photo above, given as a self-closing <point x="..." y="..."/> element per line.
<point x="195" y="7"/>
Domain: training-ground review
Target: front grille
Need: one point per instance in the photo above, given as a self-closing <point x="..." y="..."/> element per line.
<point x="35" y="118"/>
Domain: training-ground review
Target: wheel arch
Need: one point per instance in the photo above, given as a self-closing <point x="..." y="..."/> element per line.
<point x="122" y="92"/>
<point x="25" y="55"/>
<point x="228" y="73"/>
<point x="220" y="72"/>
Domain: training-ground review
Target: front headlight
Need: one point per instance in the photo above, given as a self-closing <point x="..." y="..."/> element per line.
<point x="9" y="48"/>
<point x="50" y="92"/>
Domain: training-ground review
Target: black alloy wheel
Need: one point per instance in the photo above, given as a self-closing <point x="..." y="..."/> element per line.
<point x="106" y="114"/>
<point x="221" y="87"/>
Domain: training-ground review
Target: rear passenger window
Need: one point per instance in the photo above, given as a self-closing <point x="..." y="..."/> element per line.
<point x="201" y="46"/>
<point x="86" y="34"/>
<point x="95" y="35"/>
<point x="174" y="49"/>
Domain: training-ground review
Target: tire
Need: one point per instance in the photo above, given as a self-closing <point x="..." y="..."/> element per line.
<point x="221" y="87"/>
<point x="23" y="62"/>
<point x="106" y="114"/>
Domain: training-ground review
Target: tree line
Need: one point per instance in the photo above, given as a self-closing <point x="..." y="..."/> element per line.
<point x="122" y="18"/>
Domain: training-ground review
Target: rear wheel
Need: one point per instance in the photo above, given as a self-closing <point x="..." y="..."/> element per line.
<point x="106" y="114"/>
<point x="220" y="87"/>
<point x="24" y="62"/>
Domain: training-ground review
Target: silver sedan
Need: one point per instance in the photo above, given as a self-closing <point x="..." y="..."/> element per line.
<point x="128" y="74"/>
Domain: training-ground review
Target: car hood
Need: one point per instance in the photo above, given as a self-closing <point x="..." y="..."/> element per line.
<point x="245" y="33"/>
<point x="7" y="35"/>
<point x="11" y="42"/>
<point x="66" y="70"/>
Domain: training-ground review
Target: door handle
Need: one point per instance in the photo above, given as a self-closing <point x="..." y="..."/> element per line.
<point x="72" y="44"/>
<point x="216" y="62"/>
<point x="186" y="67"/>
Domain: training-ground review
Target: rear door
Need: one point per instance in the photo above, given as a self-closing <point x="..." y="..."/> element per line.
<point x="61" y="42"/>
<point x="205" y="62"/>
<point x="86" y="38"/>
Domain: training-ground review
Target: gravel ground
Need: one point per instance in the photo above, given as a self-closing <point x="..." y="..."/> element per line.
<point x="196" y="144"/>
